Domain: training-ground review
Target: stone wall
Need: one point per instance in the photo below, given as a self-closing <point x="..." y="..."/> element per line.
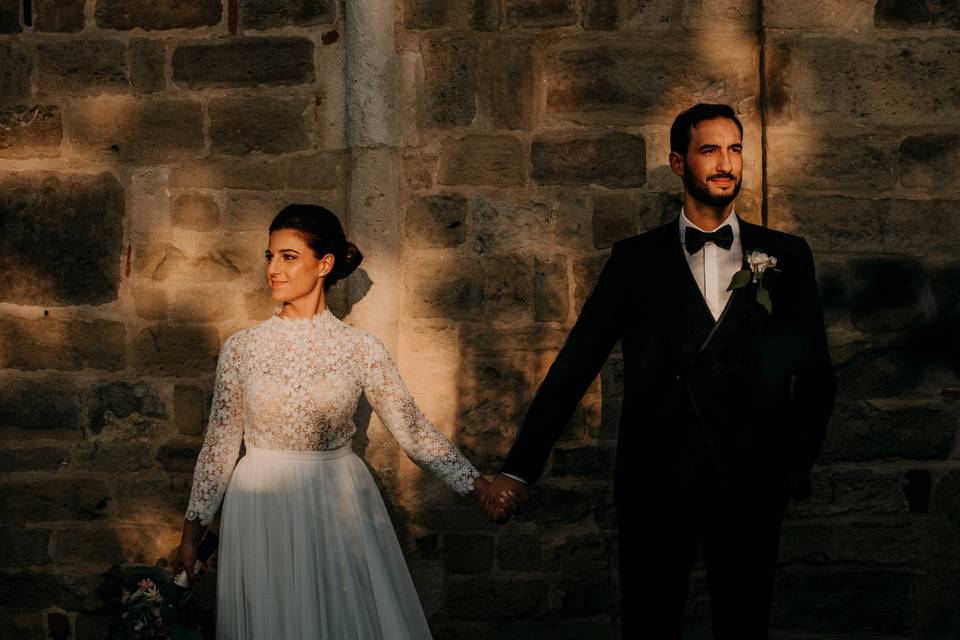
<point x="485" y="154"/>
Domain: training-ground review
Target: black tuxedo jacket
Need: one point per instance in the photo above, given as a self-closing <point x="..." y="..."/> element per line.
<point x="751" y="392"/>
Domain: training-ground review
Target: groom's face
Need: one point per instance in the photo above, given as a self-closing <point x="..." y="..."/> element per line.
<point x="713" y="164"/>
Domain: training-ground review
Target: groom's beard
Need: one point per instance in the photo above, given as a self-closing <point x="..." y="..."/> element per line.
<point x="701" y="190"/>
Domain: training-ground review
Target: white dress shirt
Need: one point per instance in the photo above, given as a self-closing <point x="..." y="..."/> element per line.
<point x="713" y="267"/>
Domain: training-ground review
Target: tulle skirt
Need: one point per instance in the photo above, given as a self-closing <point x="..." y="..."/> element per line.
<point x="307" y="550"/>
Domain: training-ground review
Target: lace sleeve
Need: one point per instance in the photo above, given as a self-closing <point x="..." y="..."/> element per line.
<point x="423" y="442"/>
<point x="221" y="445"/>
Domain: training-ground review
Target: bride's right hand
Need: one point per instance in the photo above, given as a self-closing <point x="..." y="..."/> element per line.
<point x="186" y="560"/>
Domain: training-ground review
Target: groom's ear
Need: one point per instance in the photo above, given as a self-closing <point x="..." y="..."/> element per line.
<point x="676" y="163"/>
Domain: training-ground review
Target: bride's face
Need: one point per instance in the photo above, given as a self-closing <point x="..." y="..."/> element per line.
<point x="293" y="270"/>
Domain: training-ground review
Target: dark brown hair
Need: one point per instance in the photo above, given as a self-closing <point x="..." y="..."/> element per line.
<point x="322" y="232"/>
<point x="682" y="129"/>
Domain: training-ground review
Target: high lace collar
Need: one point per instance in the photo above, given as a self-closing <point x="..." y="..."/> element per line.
<point x="323" y="317"/>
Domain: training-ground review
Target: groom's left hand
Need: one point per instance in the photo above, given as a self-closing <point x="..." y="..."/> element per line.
<point x="504" y="496"/>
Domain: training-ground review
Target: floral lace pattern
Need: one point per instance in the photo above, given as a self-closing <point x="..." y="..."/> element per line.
<point x="294" y="385"/>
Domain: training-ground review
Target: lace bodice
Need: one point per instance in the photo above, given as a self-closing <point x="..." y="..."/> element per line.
<point x="294" y="385"/>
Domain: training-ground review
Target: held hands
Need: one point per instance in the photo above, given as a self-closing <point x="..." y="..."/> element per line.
<point x="502" y="497"/>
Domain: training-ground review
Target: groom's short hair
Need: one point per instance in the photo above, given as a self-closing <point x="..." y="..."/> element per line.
<point x="681" y="131"/>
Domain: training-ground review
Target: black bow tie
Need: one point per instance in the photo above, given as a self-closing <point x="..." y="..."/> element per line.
<point x="694" y="239"/>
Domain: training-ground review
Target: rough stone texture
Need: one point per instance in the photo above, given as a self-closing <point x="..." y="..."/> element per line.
<point x="930" y="162"/>
<point x="482" y="160"/>
<point x="270" y="14"/>
<point x="715" y="15"/>
<point x="900" y="81"/>
<point x="628" y="84"/>
<point x="53" y="500"/>
<point x="507" y="78"/>
<point x="482" y="15"/>
<point x="10" y="16"/>
<point x="81" y="66"/>
<point x="507" y="289"/>
<point x="188" y="409"/>
<point x="134" y="131"/>
<point x="826" y="162"/>
<point x="124" y="15"/>
<point x="444" y="287"/>
<point x="26" y="546"/>
<point x="49" y="408"/>
<point x="612" y="159"/>
<point x="197" y="212"/>
<point x="30" y="131"/>
<point x="924" y="13"/>
<point x="43" y="216"/>
<point x="121" y="402"/>
<point x="39" y="459"/>
<point x="603" y="15"/>
<point x="46" y="343"/>
<point x="468" y="554"/>
<point x="540" y="13"/>
<point x="268" y="125"/>
<point x="313" y="172"/>
<point x="450" y="91"/>
<point x="64" y="16"/>
<point x="176" y="350"/>
<point x="15" y="72"/>
<point x="437" y="221"/>
<point x="845" y="15"/>
<point x="551" y="298"/>
<point x="147" y="61"/>
<point x="244" y="62"/>
<point x="230" y="173"/>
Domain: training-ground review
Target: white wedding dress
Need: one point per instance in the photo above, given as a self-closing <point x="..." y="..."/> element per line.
<point x="307" y="549"/>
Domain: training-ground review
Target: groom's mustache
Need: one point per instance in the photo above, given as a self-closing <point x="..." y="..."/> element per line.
<point x="728" y="176"/>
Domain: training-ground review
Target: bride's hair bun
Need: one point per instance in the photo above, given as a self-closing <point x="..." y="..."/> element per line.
<point x="322" y="232"/>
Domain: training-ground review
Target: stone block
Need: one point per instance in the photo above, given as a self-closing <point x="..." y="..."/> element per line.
<point x="119" y="128"/>
<point x="715" y="15"/>
<point x="602" y="15"/>
<point x="445" y="287"/>
<point x="120" y="402"/>
<point x="591" y="462"/>
<point x="115" y="457"/>
<point x="586" y="271"/>
<point x="28" y="589"/>
<point x="92" y="626"/>
<point x="930" y="162"/>
<point x="15" y="72"/>
<point x="556" y="505"/>
<point x="19" y="546"/>
<point x="267" y="125"/>
<point x="504" y="226"/>
<point x="907" y="14"/>
<point x="251" y="212"/>
<point x="449" y="519"/>
<point x="450" y="81"/>
<point x="60" y="16"/>
<point x="48" y="407"/>
<point x="81" y="66"/>
<point x="159" y="501"/>
<point x="480" y="15"/>
<point x="178" y="457"/>
<point x="539" y="337"/>
<point x="436" y="221"/>
<point x="831" y="162"/>
<point x="843" y="224"/>
<point x="115" y="545"/>
<point x="605" y="83"/>
<point x="521" y="553"/>
<point x="195" y="212"/>
<point x="10" y="17"/>
<point x="71" y="225"/>
<point x="230" y="173"/>
<point x="610" y="159"/>
<point x="124" y="15"/>
<point x="53" y="499"/>
<point x="314" y="172"/>
<point x="149" y="200"/>
<point x="896" y="429"/>
<point x="854" y="490"/>
<point x="841" y="15"/>
<point x="271" y="14"/>
<point x="506" y="75"/>
<point x="900" y="540"/>
<point x="202" y="304"/>
<point x="507" y="290"/>
<point x="30" y="131"/>
<point x="466" y="554"/>
<point x="540" y="13"/>
<point x="176" y="350"/>
<point x="888" y="82"/>
<point x="46" y="343"/>
<point x="495" y="598"/>
<point x="584" y="563"/>
<point x="884" y="296"/>
<point x="498" y="161"/>
<point x="244" y="62"/>
<point x="551" y="289"/>
<point x="147" y="62"/>
<point x="188" y="409"/>
<point x="33" y="459"/>
<point x="877" y="600"/>
<point x="150" y="302"/>
<point x="494" y="392"/>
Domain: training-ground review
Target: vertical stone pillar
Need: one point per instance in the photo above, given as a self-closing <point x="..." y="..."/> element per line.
<point x="372" y="188"/>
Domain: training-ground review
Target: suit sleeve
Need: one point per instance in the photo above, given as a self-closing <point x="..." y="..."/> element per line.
<point x="579" y="361"/>
<point x="814" y="384"/>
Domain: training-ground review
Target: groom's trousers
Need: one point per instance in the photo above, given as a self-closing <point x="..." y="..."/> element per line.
<point x="738" y="532"/>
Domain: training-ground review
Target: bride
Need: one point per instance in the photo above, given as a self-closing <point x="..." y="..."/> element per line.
<point x="307" y="549"/>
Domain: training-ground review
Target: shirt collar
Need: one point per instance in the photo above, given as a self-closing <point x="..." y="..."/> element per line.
<point x="731" y="219"/>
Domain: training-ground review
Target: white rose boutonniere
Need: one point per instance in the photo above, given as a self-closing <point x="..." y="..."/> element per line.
<point x="758" y="262"/>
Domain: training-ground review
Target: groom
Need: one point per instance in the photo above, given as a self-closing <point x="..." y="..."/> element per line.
<point x="728" y="388"/>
